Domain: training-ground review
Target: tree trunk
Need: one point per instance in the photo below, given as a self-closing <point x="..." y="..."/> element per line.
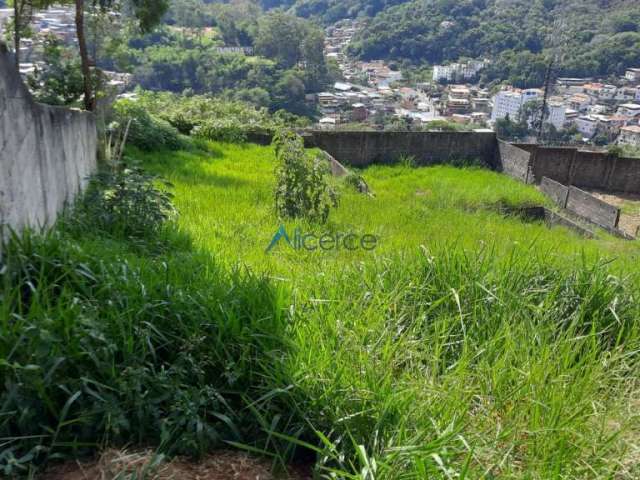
<point x="16" y="32"/>
<point x="89" y="99"/>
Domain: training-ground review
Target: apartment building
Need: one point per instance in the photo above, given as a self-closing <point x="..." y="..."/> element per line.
<point x="509" y="102"/>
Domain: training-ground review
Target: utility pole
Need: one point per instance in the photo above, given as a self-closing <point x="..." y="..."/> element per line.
<point x="558" y="40"/>
<point x="545" y="100"/>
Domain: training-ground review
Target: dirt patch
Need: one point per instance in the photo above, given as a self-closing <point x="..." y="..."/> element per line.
<point x="145" y="465"/>
<point x="629" y="205"/>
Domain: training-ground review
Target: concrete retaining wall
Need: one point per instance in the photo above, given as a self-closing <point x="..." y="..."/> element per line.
<point x="550" y="218"/>
<point x="555" y="191"/>
<point x="46" y="153"/>
<point x="365" y="148"/>
<point x="592" y="208"/>
<point x="583" y="204"/>
<point x="583" y="168"/>
<point x="514" y="161"/>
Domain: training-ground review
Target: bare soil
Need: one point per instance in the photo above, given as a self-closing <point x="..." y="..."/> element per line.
<point x="145" y="465"/>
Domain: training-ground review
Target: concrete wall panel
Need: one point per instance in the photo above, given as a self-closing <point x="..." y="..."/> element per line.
<point x="46" y="153"/>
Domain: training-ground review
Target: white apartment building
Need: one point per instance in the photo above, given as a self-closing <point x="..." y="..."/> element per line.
<point x="588" y="125"/>
<point x="457" y="71"/>
<point x="629" y="109"/>
<point x="633" y="74"/>
<point x="442" y="72"/>
<point x="557" y="115"/>
<point x="509" y="102"/>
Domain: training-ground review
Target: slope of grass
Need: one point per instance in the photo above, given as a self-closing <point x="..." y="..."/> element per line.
<point x="467" y="342"/>
<point x="225" y="198"/>
<point x="467" y="345"/>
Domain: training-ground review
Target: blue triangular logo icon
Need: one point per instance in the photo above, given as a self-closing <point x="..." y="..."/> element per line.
<point x="281" y="233"/>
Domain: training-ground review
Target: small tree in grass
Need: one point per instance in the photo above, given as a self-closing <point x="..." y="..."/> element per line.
<point x="302" y="185"/>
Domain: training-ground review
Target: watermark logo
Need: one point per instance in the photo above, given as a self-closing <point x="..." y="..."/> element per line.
<point x="325" y="242"/>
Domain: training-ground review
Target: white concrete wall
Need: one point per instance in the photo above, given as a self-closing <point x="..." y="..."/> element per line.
<point x="46" y="153"/>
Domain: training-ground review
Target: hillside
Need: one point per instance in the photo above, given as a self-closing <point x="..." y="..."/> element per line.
<point x="593" y="37"/>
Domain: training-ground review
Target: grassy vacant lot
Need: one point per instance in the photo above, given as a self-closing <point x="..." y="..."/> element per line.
<point x="466" y="342"/>
<point x="225" y="199"/>
<point x="467" y="345"/>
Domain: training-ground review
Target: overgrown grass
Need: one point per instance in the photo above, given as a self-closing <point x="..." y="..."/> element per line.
<point x="226" y="202"/>
<point x="468" y="345"/>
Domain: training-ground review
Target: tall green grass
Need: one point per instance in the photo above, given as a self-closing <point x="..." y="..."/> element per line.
<point x="469" y="345"/>
<point x="101" y="345"/>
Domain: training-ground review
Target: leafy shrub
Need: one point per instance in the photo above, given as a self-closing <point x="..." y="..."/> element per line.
<point x="356" y="182"/>
<point x="145" y="130"/>
<point x="58" y="80"/>
<point x="214" y="118"/>
<point x="221" y="131"/>
<point x="125" y="204"/>
<point x="302" y="188"/>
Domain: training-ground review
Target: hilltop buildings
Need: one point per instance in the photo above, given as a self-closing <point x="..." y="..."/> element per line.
<point x="458" y="72"/>
<point x="373" y="91"/>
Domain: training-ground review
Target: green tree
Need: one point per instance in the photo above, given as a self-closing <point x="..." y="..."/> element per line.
<point x="312" y="52"/>
<point x="279" y="37"/>
<point x="302" y="187"/>
<point x="147" y="14"/>
<point x="59" y="81"/>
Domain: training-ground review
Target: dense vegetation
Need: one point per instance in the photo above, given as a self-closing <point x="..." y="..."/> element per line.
<point x="156" y="120"/>
<point x="591" y="37"/>
<point x="466" y="344"/>
<point x="185" y="56"/>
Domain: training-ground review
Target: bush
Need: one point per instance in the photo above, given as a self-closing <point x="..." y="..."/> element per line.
<point x="221" y="131"/>
<point x="302" y="188"/>
<point x="215" y="119"/>
<point x="124" y="204"/>
<point x="356" y="182"/>
<point x="146" y="131"/>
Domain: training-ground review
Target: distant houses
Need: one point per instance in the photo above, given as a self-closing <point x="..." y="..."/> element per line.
<point x="371" y="91"/>
<point x="630" y="135"/>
